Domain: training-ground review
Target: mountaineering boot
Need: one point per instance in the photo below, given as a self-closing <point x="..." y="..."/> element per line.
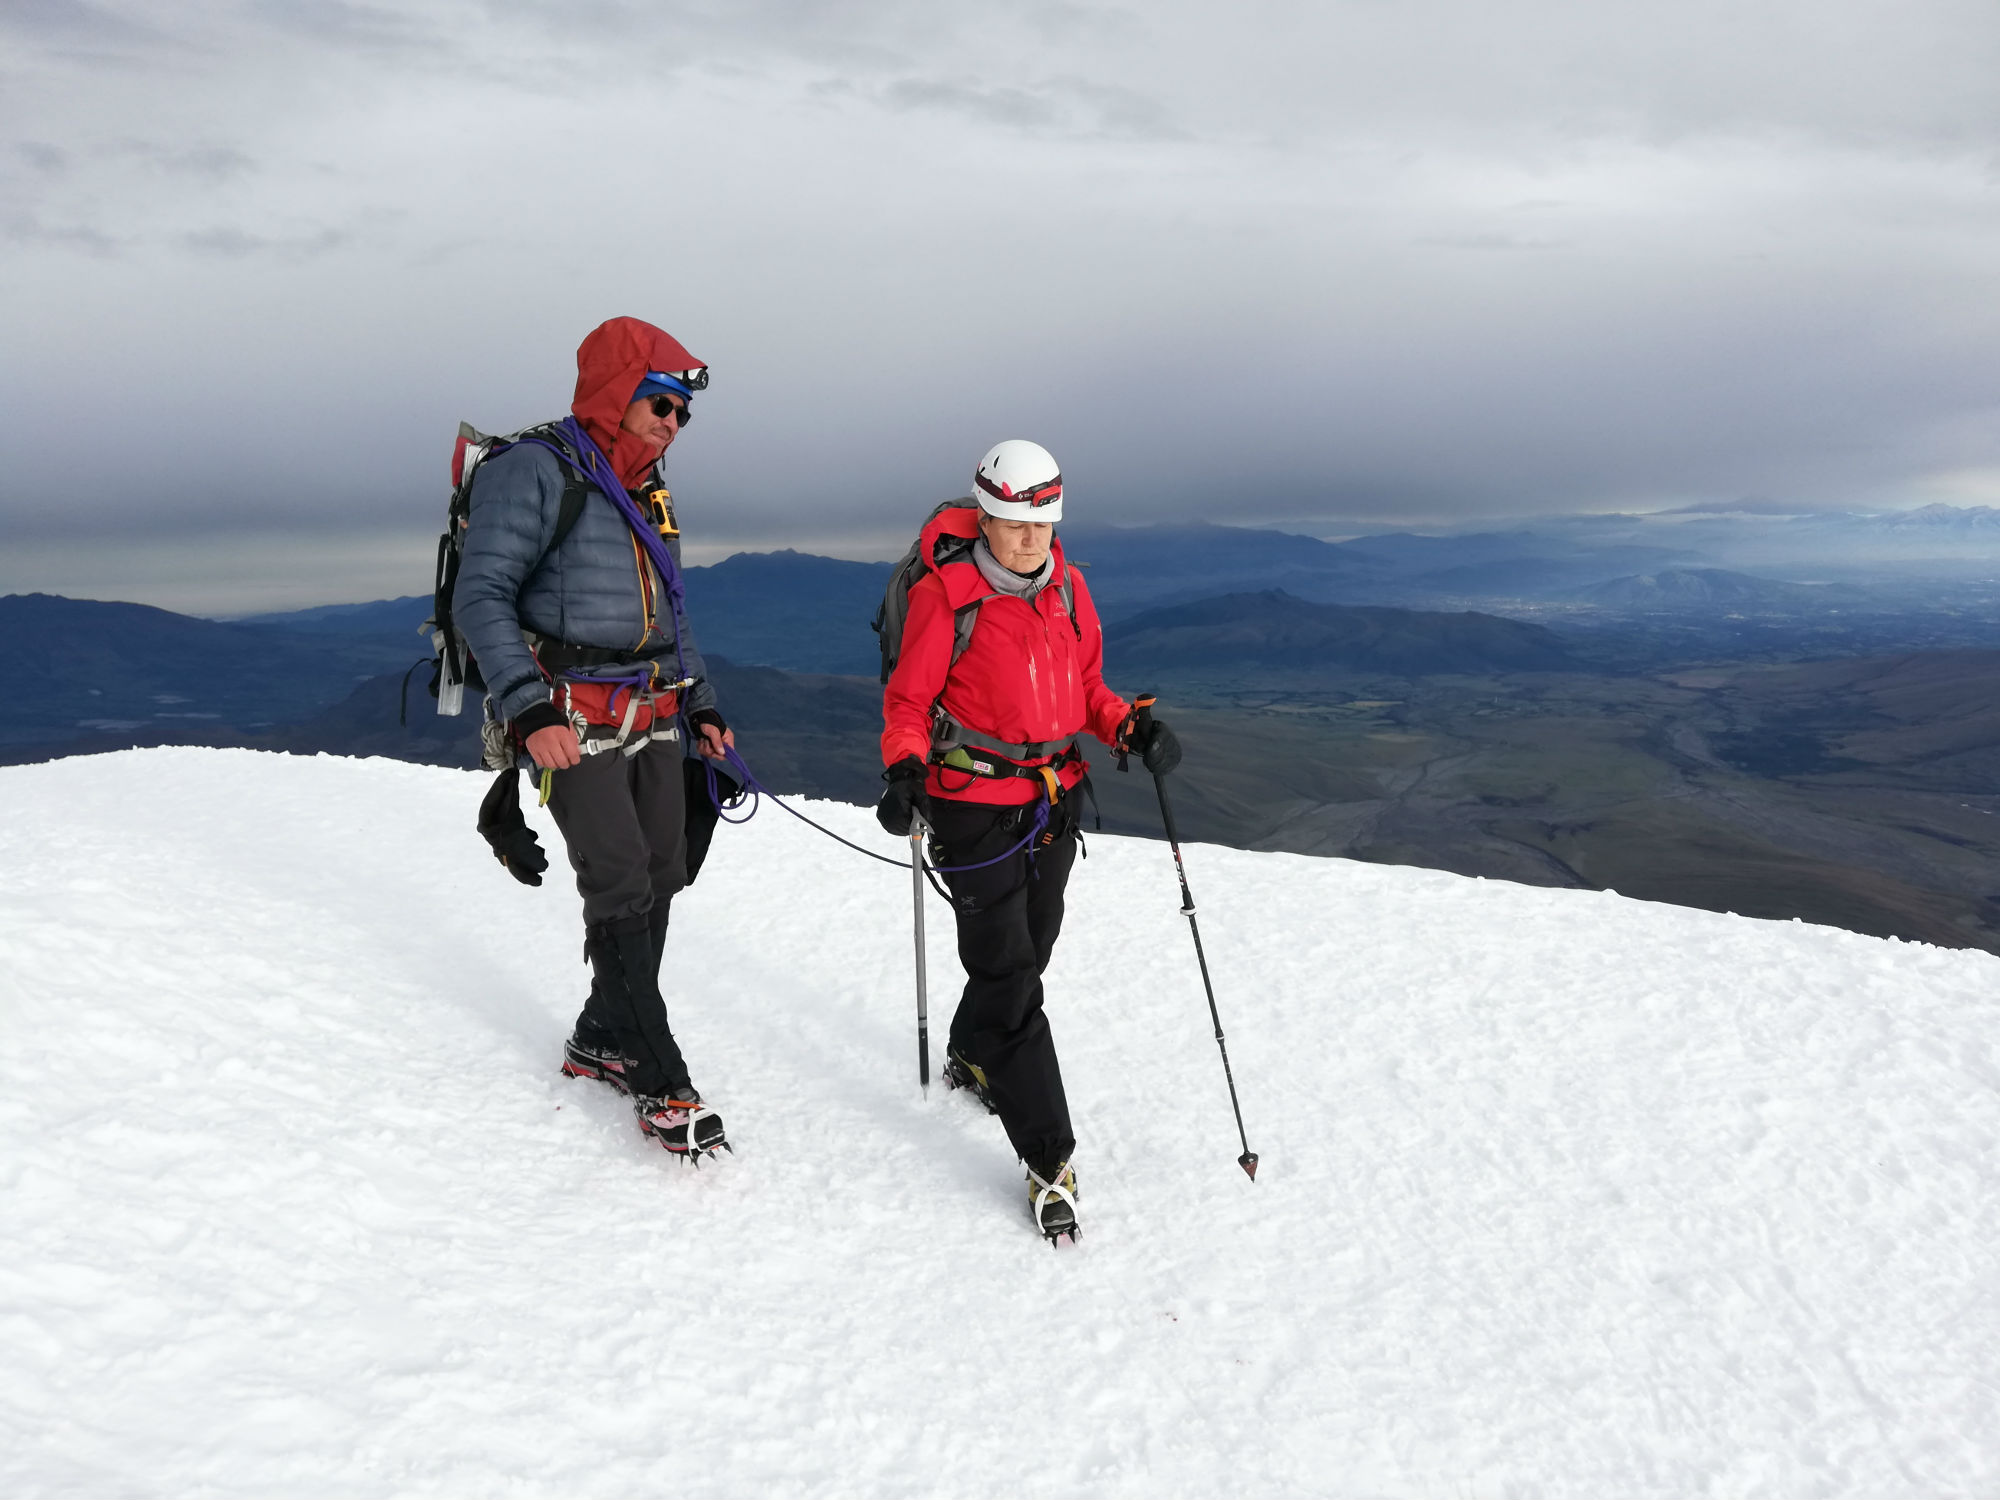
<point x="960" y="1074"/>
<point x="679" y="1121"/>
<point x="1052" y="1200"/>
<point x="594" y="1053"/>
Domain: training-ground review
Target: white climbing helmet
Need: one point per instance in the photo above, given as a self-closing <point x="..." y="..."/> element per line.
<point x="1019" y="481"/>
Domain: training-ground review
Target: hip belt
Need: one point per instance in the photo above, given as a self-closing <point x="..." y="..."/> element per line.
<point x="977" y="760"/>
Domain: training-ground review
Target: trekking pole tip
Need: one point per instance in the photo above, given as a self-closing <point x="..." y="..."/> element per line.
<point x="1248" y="1162"/>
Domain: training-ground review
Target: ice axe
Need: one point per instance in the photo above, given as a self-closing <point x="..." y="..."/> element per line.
<point x="1142" y="733"/>
<point x="923" y="999"/>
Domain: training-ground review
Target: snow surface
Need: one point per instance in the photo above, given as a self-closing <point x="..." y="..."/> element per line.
<point x="1562" y="1194"/>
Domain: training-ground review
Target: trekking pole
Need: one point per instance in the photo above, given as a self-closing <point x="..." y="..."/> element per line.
<point x="1143" y="720"/>
<point x="923" y="1001"/>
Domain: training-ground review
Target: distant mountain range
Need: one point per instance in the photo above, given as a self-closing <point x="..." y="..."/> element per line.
<point x="85" y="674"/>
<point x="106" y="673"/>
<point x="1683" y="589"/>
<point x="1274" y="629"/>
<point x="77" y="667"/>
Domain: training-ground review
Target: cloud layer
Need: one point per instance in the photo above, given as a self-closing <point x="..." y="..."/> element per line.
<point x="1270" y="263"/>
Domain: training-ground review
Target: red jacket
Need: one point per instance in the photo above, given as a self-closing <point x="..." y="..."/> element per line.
<point x="1028" y="677"/>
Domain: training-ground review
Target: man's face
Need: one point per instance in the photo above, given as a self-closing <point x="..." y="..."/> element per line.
<point x="650" y="426"/>
<point x="1021" y="546"/>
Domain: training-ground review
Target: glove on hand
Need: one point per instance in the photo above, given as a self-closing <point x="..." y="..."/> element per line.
<point x="502" y="826"/>
<point x="906" y="795"/>
<point x="1161" y="750"/>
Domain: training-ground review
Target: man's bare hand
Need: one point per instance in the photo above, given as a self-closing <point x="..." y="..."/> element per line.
<point x="713" y="740"/>
<point x="554" y="748"/>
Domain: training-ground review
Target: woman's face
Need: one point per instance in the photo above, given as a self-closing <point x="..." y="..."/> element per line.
<point x="1021" y="546"/>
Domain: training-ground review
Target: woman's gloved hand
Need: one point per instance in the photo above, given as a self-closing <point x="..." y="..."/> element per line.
<point x="906" y="795"/>
<point x="1160" y="749"/>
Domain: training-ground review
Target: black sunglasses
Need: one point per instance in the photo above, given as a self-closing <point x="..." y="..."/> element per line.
<point x="667" y="406"/>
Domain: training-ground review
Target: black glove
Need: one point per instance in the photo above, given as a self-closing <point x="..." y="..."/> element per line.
<point x="710" y="717"/>
<point x="1160" y="749"/>
<point x="502" y="826"/>
<point x="906" y="795"/>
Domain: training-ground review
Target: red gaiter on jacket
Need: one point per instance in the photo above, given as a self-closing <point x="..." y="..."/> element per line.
<point x="1028" y="677"/>
<point x="611" y="361"/>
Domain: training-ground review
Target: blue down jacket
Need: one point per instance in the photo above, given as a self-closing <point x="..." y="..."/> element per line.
<point x="586" y="593"/>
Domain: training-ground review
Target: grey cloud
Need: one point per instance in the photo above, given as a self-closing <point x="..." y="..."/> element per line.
<point x="1071" y="106"/>
<point x="42" y="156"/>
<point x="231" y="243"/>
<point x="63" y="20"/>
<point x="211" y="163"/>
<point x="29" y="229"/>
<point x="95" y="37"/>
<point x="343" y="23"/>
<point x="1490" y="241"/>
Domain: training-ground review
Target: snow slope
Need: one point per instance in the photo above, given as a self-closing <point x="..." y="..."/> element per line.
<point x="1562" y="1194"/>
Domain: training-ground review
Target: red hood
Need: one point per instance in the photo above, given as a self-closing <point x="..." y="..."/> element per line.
<point x="611" y="361"/>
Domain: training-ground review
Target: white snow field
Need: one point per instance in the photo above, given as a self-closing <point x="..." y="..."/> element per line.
<point x="1562" y="1194"/>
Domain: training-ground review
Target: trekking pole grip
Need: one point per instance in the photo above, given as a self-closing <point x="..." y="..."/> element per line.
<point x="1142" y="715"/>
<point x="1142" y="731"/>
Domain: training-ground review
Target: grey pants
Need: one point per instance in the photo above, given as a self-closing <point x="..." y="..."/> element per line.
<point x="624" y="819"/>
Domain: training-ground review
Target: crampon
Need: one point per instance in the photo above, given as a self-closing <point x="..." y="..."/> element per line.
<point x="1052" y="1201"/>
<point x="683" y="1124"/>
<point x="587" y="1059"/>
<point x="960" y="1074"/>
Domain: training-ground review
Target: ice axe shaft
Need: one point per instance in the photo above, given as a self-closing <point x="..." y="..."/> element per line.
<point x="923" y="986"/>
<point x="1142" y="718"/>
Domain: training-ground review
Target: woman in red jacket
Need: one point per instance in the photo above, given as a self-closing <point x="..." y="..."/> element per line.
<point x="1000" y="668"/>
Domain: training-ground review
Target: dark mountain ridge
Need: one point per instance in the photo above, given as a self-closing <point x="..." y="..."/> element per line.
<point x="1274" y="629"/>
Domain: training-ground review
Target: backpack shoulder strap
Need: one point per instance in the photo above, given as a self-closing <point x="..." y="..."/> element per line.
<point x="962" y="620"/>
<point x="576" y="490"/>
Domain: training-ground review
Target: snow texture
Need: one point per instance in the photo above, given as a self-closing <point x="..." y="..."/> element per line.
<point x="1562" y="1194"/>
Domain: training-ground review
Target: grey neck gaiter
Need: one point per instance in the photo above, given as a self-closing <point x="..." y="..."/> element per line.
<point x="1004" y="580"/>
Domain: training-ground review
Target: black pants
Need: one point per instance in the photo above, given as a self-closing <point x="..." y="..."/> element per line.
<point x="1009" y="915"/>
<point x="624" y="819"/>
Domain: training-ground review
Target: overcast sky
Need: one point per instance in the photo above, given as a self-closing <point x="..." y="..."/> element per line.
<point x="1312" y="265"/>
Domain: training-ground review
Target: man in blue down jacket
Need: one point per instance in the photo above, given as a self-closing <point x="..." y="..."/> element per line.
<point x="583" y="641"/>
